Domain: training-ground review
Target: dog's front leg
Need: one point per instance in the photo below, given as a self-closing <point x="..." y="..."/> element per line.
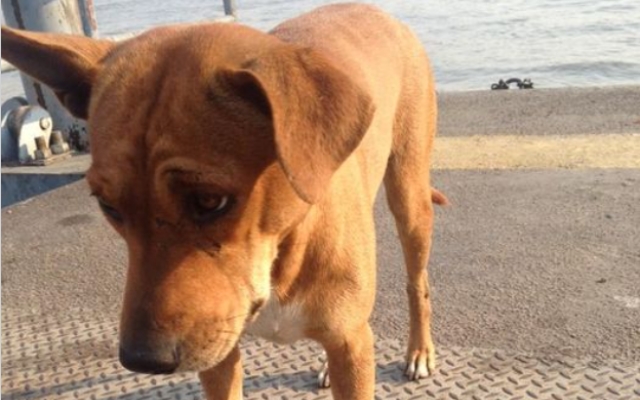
<point x="224" y="381"/>
<point x="352" y="365"/>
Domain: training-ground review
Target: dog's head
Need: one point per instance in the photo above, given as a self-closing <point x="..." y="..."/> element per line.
<point x="209" y="144"/>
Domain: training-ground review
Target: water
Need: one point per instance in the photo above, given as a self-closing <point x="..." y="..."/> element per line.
<point x="472" y="43"/>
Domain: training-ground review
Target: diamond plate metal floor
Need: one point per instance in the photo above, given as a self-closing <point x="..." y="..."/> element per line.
<point x="44" y="357"/>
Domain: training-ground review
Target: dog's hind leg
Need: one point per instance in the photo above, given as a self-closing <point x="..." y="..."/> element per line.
<point x="412" y="208"/>
<point x="411" y="200"/>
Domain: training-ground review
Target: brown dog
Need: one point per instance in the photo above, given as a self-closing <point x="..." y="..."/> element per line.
<point x="241" y="169"/>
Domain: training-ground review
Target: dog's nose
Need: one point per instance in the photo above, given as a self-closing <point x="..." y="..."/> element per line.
<point x="159" y="360"/>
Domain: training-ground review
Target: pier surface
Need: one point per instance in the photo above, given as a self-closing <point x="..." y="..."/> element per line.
<point x="535" y="269"/>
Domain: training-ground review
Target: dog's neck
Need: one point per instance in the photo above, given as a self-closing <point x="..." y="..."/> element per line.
<point x="294" y="265"/>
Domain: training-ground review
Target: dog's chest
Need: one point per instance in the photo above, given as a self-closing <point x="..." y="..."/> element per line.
<point x="278" y="323"/>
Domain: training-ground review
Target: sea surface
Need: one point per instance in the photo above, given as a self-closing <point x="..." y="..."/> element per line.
<point x="472" y="43"/>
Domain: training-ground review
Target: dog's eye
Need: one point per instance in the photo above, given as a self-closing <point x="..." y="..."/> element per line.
<point x="206" y="207"/>
<point x="110" y="211"/>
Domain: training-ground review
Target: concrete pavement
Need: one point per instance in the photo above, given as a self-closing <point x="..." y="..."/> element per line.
<point x="542" y="261"/>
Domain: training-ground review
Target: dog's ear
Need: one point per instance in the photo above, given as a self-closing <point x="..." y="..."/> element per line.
<point x="67" y="64"/>
<point x="319" y="114"/>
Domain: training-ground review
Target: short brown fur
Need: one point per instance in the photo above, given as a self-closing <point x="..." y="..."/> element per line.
<point x="296" y="129"/>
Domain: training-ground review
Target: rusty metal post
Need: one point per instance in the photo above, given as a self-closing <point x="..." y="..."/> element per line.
<point x="88" y="18"/>
<point x="62" y="16"/>
<point x="229" y="7"/>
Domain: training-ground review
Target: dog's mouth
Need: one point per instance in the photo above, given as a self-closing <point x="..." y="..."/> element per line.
<point x="213" y="346"/>
<point x="198" y="356"/>
<point x="202" y="348"/>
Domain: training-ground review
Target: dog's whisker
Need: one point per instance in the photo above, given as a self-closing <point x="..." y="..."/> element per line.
<point x="229" y="332"/>
<point x="244" y="315"/>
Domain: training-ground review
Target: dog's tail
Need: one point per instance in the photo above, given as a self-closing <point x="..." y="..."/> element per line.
<point x="439" y="198"/>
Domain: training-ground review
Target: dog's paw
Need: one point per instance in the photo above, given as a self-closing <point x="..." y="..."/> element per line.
<point x="420" y="364"/>
<point x="323" y="376"/>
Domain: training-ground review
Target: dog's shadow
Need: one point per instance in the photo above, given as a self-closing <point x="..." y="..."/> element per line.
<point x="387" y="375"/>
<point x="273" y="384"/>
<point x="87" y="369"/>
